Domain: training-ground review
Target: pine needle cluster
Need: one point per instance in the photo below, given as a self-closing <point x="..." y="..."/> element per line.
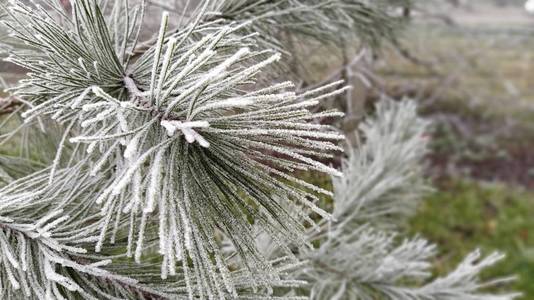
<point x="173" y="173"/>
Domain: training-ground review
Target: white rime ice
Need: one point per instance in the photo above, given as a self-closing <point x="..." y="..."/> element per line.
<point x="176" y="163"/>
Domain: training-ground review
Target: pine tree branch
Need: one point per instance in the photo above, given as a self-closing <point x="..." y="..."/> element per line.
<point x="321" y="20"/>
<point x="176" y="142"/>
<point x="384" y="177"/>
<point x="370" y="263"/>
<point x="182" y="158"/>
<point x="29" y="248"/>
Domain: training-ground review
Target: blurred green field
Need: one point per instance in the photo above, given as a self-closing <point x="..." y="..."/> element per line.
<point x="465" y="214"/>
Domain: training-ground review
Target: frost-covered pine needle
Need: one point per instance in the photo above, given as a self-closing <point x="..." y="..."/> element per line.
<point x="186" y="120"/>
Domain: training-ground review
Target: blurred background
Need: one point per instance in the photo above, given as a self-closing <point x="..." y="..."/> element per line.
<point x="474" y="76"/>
<point x="470" y="65"/>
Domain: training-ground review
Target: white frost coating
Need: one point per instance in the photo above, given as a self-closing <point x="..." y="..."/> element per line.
<point x="173" y="126"/>
<point x="384" y="176"/>
<point x="95" y="106"/>
<point x="127" y="176"/>
<point x="62" y="280"/>
<point x="78" y="100"/>
<point x="158" y="50"/>
<point x="213" y="74"/>
<point x="230" y="103"/>
<point x="99" y="117"/>
<point x="154" y="186"/>
<point x="185" y="198"/>
<point x="383" y="179"/>
<point x="131" y="148"/>
<point x="165" y="67"/>
<point x="187" y="130"/>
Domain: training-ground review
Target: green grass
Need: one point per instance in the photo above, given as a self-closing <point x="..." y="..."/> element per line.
<point x="464" y="215"/>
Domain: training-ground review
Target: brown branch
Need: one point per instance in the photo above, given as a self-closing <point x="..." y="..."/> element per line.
<point x="138" y="98"/>
<point x="9" y="105"/>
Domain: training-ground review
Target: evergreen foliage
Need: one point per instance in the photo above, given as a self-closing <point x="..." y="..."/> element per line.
<point x="173" y="172"/>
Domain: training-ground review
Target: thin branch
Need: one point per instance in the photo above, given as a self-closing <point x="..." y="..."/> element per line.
<point x="9" y="105"/>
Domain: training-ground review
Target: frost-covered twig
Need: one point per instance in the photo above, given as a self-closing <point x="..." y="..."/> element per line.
<point x="41" y="247"/>
<point x="383" y="179"/>
<point x="179" y="142"/>
<point x="322" y="20"/>
<point x="165" y="160"/>
<point x="368" y="263"/>
<point x="356" y="258"/>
